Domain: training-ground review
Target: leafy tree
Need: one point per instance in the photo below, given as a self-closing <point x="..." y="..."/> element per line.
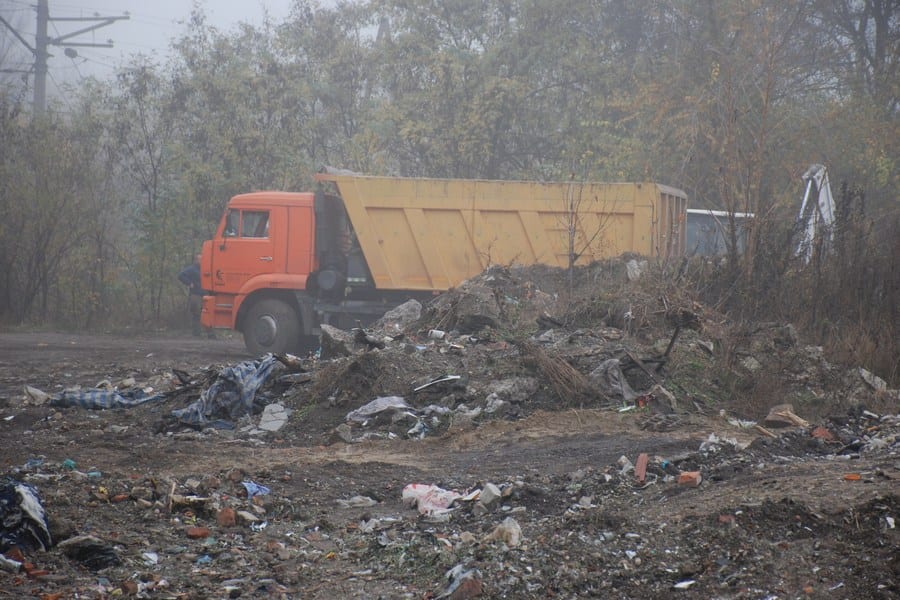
<point x="141" y="134"/>
<point x="864" y="38"/>
<point x="46" y="185"/>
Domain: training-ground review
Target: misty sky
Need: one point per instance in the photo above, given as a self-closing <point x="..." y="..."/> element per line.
<point x="152" y="24"/>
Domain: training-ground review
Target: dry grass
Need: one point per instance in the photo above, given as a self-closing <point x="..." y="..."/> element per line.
<point x="845" y="299"/>
<point x="566" y="381"/>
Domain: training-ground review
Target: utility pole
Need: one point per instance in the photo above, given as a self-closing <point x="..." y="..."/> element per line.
<point x="40" y="58"/>
<point x="42" y="42"/>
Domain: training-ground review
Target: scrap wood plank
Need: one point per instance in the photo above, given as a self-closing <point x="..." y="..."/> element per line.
<point x="641" y="365"/>
<point x="640" y="466"/>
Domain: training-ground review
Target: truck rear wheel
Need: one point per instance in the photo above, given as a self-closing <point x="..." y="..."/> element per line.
<point x="271" y="326"/>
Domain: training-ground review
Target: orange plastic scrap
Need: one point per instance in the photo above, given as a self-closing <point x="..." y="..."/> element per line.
<point x="852" y="477"/>
<point x="823" y="434"/>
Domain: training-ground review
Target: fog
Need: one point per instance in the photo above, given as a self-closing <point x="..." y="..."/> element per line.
<point x="149" y="29"/>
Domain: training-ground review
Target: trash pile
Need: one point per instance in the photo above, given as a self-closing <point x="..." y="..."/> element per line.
<point x="520" y="436"/>
<point x="498" y="347"/>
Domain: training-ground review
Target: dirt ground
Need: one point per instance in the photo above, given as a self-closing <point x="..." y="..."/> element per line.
<point x="786" y="517"/>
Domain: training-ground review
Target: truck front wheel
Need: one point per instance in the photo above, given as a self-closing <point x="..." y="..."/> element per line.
<point x="271" y="326"/>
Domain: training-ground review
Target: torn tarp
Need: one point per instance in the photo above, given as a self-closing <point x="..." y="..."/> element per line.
<point x="231" y="396"/>
<point x="23" y="521"/>
<point x="378" y="406"/>
<point x="101" y="399"/>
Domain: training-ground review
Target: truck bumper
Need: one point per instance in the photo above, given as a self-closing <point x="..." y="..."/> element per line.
<point x="217" y="311"/>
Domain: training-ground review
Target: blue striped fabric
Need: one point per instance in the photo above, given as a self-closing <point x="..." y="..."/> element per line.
<point x="101" y="399"/>
<point x="231" y="396"/>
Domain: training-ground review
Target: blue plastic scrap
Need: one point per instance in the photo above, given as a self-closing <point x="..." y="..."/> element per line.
<point x="255" y="489"/>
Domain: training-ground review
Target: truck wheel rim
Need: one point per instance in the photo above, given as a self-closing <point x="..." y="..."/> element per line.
<point x="266" y="330"/>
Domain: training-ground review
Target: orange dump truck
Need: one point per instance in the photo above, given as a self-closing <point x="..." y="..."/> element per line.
<point x="282" y="263"/>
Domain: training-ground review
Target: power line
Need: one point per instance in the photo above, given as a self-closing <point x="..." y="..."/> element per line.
<point x="74" y="64"/>
<point x="42" y="41"/>
<point x="87" y="58"/>
<point x="61" y="92"/>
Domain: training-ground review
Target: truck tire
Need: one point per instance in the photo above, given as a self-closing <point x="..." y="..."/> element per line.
<point x="271" y="326"/>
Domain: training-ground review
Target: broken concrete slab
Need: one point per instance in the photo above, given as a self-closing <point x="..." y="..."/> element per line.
<point x="400" y="317"/>
<point x="274" y="417"/>
<point x="334" y="342"/>
<point x="490" y="494"/>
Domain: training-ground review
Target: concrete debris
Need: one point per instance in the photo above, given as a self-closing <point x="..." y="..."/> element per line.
<point x="274" y="417"/>
<point x="715" y="443"/>
<point x="874" y="381"/>
<point x="508" y="532"/>
<point x="399" y="318"/>
<point x="334" y="342"/>
<point x="468" y="309"/>
<point x="515" y="390"/>
<point x="490" y="494"/>
<point x="751" y="364"/>
<point x="635" y="268"/>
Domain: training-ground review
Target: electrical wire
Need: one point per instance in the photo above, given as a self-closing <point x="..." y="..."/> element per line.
<point x="24" y="3"/>
<point x="61" y="92"/>
<point x="74" y="64"/>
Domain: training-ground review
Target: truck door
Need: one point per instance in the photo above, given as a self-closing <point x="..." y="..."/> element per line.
<point x="245" y="249"/>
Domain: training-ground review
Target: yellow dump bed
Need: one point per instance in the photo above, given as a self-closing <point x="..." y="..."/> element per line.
<point x="432" y="234"/>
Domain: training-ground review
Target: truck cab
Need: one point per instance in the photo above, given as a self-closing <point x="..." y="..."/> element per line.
<point x="262" y="252"/>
